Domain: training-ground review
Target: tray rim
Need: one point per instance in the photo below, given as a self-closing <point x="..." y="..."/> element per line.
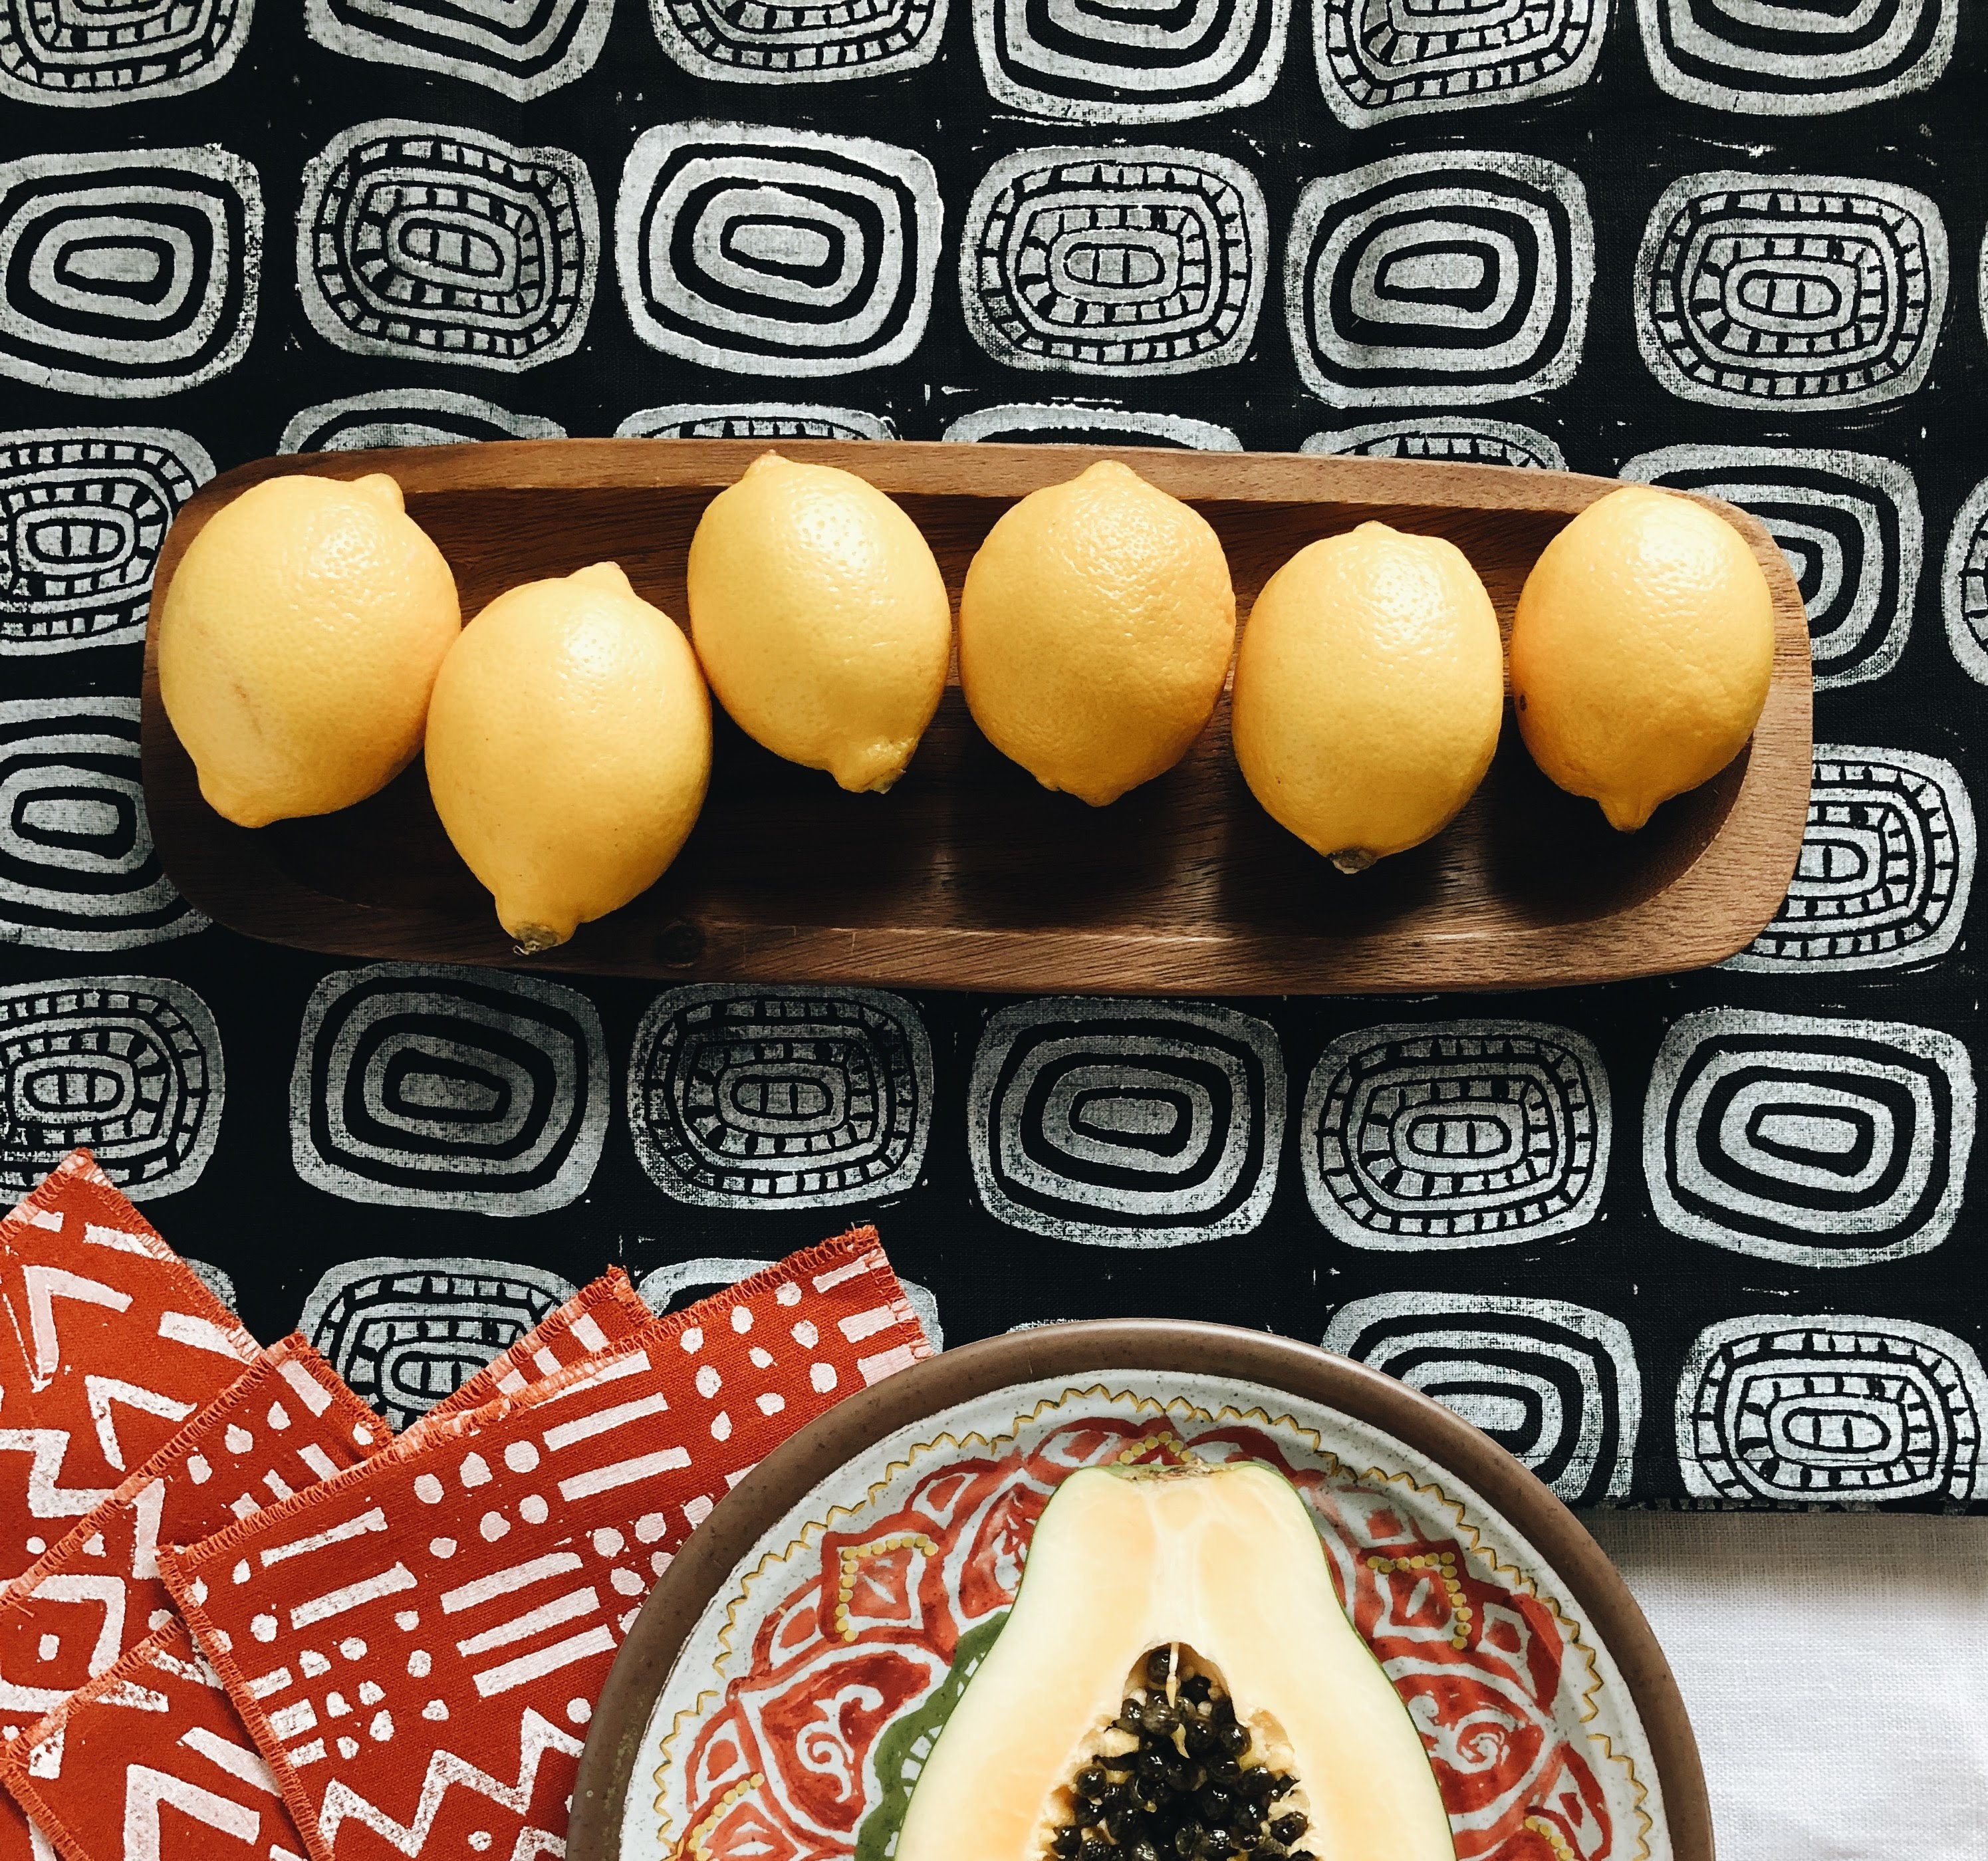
<point x="1688" y="922"/>
<point x="617" y="1731"/>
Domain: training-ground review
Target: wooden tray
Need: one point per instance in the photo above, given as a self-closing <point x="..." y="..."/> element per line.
<point x="968" y="875"/>
<point x="757" y="1514"/>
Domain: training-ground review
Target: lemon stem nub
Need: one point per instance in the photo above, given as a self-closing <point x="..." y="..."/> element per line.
<point x="535" y="939"/>
<point x="1352" y="859"/>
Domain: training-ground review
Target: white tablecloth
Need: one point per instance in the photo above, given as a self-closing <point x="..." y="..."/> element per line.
<point x="1836" y="1669"/>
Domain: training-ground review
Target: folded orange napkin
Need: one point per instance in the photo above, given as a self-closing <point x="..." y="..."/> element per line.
<point x="112" y="1345"/>
<point x="603" y="1436"/>
<point x="289" y="1422"/>
<point x="416" y="1645"/>
<point x="149" y="1762"/>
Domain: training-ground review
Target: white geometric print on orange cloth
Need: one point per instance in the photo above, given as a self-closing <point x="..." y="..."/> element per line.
<point x="150" y="1762"/>
<point x="113" y="1344"/>
<point x="598" y="1318"/>
<point x="662" y="1288"/>
<point x="416" y="1645"/>
<point x="286" y="1424"/>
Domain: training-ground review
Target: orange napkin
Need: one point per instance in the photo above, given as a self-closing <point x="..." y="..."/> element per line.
<point x="149" y="1762"/>
<point x="112" y="1345"/>
<point x="416" y="1645"/>
<point x="92" y="1291"/>
<point x="288" y="1423"/>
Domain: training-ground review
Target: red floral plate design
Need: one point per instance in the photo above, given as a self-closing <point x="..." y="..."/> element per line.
<point x="810" y="1683"/>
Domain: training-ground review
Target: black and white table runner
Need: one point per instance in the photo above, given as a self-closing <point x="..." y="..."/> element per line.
<point x="1715" y="1238"/>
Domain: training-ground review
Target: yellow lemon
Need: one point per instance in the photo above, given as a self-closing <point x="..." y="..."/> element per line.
<point x="569" y="749"/>
<point x="1369" y="688"/>
<point x="1642" y="651"/>
<point x="1095" y="629"/>
<point x="821" y="619"/>
<point x="298" y="641"/>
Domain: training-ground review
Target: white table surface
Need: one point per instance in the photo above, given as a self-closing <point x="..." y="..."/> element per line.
<point x="1835" y="1667"/>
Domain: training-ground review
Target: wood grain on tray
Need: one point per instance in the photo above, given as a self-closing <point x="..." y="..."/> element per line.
<point x="968" y="875"/>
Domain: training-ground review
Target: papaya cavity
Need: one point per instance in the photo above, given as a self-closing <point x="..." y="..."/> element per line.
<point x="1176" y="1681"/>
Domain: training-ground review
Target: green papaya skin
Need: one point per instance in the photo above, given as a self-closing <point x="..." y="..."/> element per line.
<point x="901" y="1752"/>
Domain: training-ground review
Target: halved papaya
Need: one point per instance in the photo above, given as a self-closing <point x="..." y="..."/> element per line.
<point x="1177" y="1682"/>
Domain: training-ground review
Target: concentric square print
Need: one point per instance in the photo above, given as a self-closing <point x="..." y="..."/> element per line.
<point x="1145" y="261"/>
<point x="128" y="276"/>
<point x="1730" y="248"/>
<point x="441" y="245"/>
<point x="767" y="252"/>
<point x="1453" y="279"/>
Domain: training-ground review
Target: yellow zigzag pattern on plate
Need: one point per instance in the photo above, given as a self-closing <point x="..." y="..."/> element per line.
<point x="1473" y="1540"/>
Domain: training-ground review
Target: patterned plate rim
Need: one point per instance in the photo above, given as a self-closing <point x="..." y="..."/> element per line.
<point x="733" y="1532"/>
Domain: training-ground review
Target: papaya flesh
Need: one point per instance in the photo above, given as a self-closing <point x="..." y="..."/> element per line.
<point x="1224" y="1564"/>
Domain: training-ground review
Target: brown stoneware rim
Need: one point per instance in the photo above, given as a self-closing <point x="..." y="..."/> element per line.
<point x="618" y="1735"/>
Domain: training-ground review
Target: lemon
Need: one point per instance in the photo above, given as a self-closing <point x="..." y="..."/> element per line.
<point x="1095" y="629"/>
<point x="1369" y="689"/>
<point x="298" y="643"/>
<point x="1642" y="651"/>
<point x="821" y="619"/>
<point x="569" y="749"/>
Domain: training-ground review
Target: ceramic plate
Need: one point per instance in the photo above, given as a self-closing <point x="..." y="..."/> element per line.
<point x="793" y="1667"/>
